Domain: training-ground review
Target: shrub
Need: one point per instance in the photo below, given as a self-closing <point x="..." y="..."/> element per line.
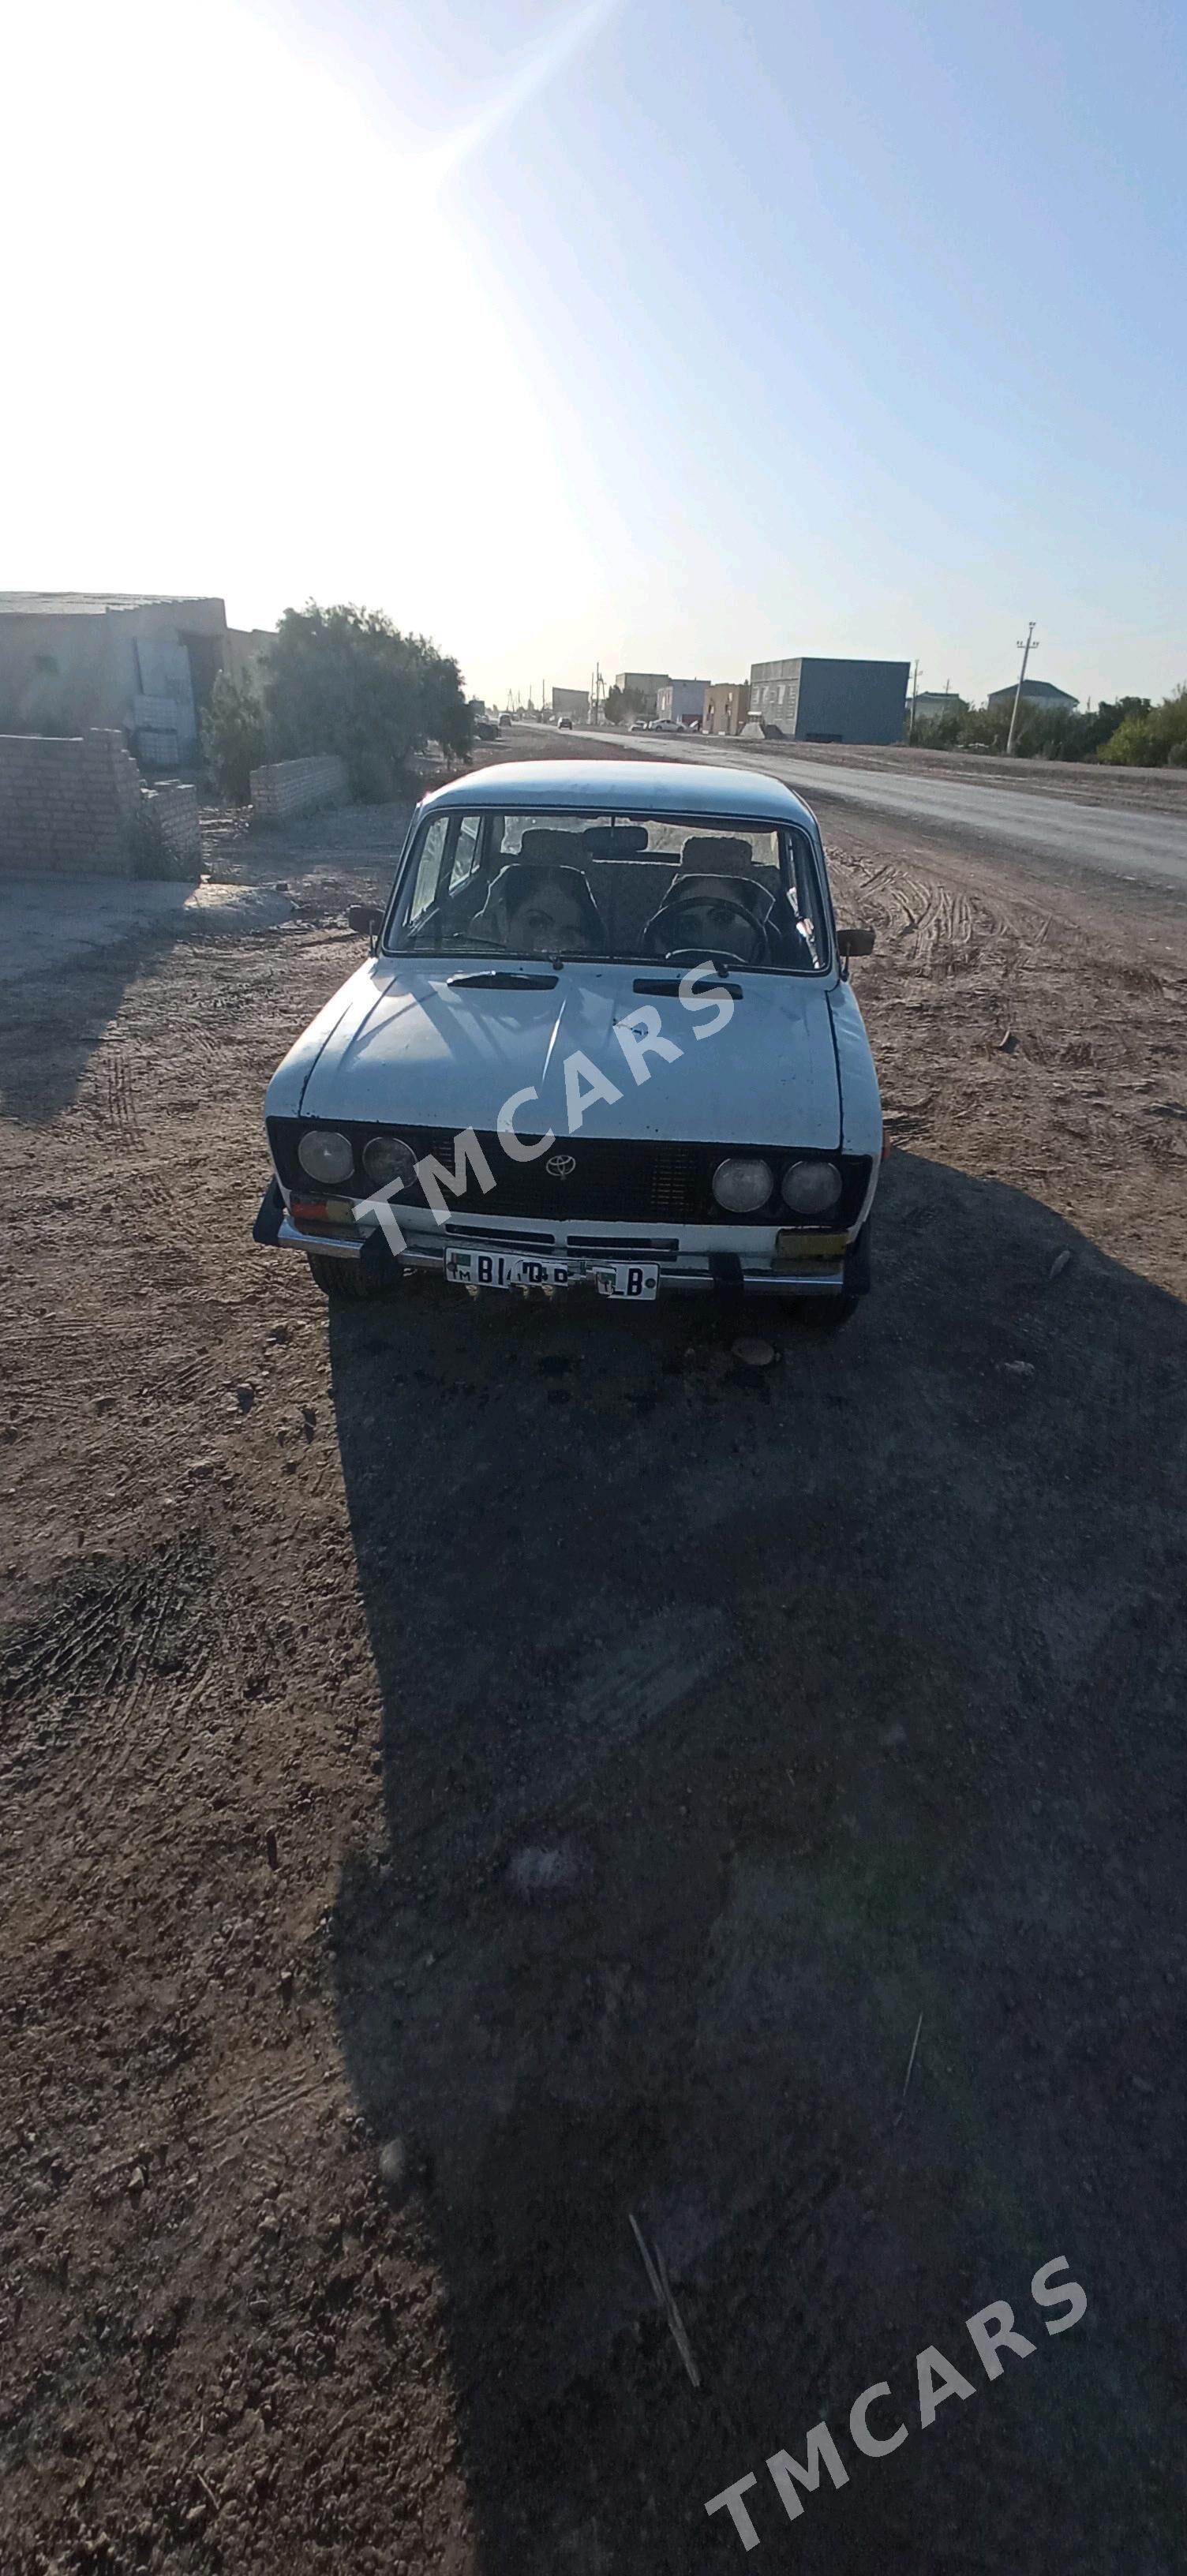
<point x="1152" y="738"/>
<point x="346" y="680"/>
<point x="234" y="737"/>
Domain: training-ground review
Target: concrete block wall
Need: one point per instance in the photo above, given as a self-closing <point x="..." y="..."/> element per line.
<point x="283" y="788"/>
<point x="170" y="831"/>
<point x="76" y="806"/>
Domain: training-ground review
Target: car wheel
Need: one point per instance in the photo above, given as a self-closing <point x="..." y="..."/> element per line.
<point x="344" y="1282"/>
<point x="827" y="1313"/>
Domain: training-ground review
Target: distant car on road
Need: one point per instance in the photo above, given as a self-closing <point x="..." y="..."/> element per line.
<point x="605" y="1037"/>
<point x="564" y="724"/>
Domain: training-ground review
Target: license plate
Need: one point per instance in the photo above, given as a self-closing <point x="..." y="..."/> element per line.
<point x="504" y="1270"/>
<point x="629" y="1279"/>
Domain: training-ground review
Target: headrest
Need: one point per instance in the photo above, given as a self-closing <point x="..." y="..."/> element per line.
<point x="716" y="850"/>
<point x="546" y="841"/>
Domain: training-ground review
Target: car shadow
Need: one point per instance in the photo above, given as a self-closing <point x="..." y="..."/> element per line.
<point x="740" y="1723"/>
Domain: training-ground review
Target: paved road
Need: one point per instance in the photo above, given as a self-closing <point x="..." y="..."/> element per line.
<point x="1136" y="846"/>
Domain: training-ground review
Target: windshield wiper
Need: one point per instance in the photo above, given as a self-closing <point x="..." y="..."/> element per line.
<point x="503" y="979"/>
<point x="668" y="987"/>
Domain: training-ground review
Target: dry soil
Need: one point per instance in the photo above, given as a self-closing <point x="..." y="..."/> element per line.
<point x="473" y="1773"/>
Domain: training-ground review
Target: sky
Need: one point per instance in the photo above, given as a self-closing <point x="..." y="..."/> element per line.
<point x="668" y="334"/>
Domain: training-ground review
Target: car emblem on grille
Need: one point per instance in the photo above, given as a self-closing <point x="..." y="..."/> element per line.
<point x="560" y="1166"/>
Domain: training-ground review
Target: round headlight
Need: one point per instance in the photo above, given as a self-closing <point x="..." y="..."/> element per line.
<point x="810" y="1188"/>
<point x="743" y="1184"/>
<point x="387" y="1159"/>
<point x="325" y="1155"/>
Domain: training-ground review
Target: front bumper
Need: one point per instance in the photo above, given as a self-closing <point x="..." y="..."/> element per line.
<point x="821" y="1265"/>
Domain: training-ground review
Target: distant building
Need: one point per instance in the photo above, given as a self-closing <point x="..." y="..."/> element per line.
<point x="929" y="704"/>
<point x="1035" y="693"/>
<point x="644" y="685"/>
<point x="810" y="699"/>
<point x="681" y="702"/>
<point x="727" y="705"/>
<point x="145" y="663"/>
<point x="573" y="703"/>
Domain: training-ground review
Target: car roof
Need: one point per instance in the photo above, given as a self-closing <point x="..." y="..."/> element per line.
<point x="686" y="788"/>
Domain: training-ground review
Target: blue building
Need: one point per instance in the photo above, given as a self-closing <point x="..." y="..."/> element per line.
<point x="811" y="699"/>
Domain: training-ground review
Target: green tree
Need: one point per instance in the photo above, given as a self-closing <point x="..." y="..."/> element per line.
<point x="1151" y="737"/>
<point x="234" y="738"/>
<point x="942" y="732"/>
<point x="621" y="706"/>
<point x="1052" y="733"/>
<point x="346" y="680"/>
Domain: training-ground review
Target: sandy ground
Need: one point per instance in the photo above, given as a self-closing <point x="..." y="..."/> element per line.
<point x="834" y="1696"/>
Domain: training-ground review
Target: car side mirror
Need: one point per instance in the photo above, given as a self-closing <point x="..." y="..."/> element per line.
<point x="364" y="918"/>
<point x="855" y="943"/>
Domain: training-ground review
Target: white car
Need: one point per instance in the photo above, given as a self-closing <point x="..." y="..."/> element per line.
<point x="605" y="1035"/>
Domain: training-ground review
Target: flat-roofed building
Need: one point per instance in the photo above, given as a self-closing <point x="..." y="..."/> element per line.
<point x="140" y="662"/>
<point x="813" y="698"/>
<point x="727" y="705"/>
<point x="643" y="685"/>
<point x="681" y="702"/>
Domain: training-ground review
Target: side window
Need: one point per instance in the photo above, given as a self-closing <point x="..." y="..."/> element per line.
<point x="427" y="880"/>
<point x="465" y="855"/>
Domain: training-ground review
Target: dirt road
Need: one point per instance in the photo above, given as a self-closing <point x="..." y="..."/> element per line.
<point x="473" y="1773"/>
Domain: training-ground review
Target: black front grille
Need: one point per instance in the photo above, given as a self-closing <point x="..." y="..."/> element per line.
<point x="622" y="1182"/>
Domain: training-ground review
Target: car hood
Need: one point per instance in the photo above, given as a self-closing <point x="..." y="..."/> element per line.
<point x="400" y="1042"/>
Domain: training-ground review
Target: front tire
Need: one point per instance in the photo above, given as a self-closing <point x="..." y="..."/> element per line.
<point x="827" y="1314"/>
<point x="345" y="1283"/>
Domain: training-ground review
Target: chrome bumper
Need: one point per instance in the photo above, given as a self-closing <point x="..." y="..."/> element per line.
<point x="821" y="1280"/>
<point x="714" y="1274"/>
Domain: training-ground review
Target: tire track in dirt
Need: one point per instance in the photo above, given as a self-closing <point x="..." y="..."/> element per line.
<point x="119" y="1658"/>
<point x="119" y="1106"/>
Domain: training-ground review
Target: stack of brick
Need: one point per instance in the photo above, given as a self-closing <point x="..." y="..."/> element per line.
<point x="283" y="788"/>
<point x="76" y="806"/>
<point x="169" y="831"/>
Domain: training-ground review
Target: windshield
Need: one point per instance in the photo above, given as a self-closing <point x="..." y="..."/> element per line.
<point x="641" y="891"/>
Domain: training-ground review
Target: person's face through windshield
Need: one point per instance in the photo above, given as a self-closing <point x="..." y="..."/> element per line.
<point x="547" y="922"/>
<point x="714" y="918"/>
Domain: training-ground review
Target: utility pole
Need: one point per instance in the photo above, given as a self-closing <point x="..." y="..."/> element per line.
<point x="914" y="695"/>
<point x="1024" y="646"/>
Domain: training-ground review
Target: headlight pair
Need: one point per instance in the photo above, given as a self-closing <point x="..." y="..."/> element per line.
<point x="327" y="1155"/>
<point x="745" y="1183"/>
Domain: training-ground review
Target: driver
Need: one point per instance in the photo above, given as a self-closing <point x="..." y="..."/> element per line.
<point x="726" y="915"/>
<point x="541" y="911"/>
